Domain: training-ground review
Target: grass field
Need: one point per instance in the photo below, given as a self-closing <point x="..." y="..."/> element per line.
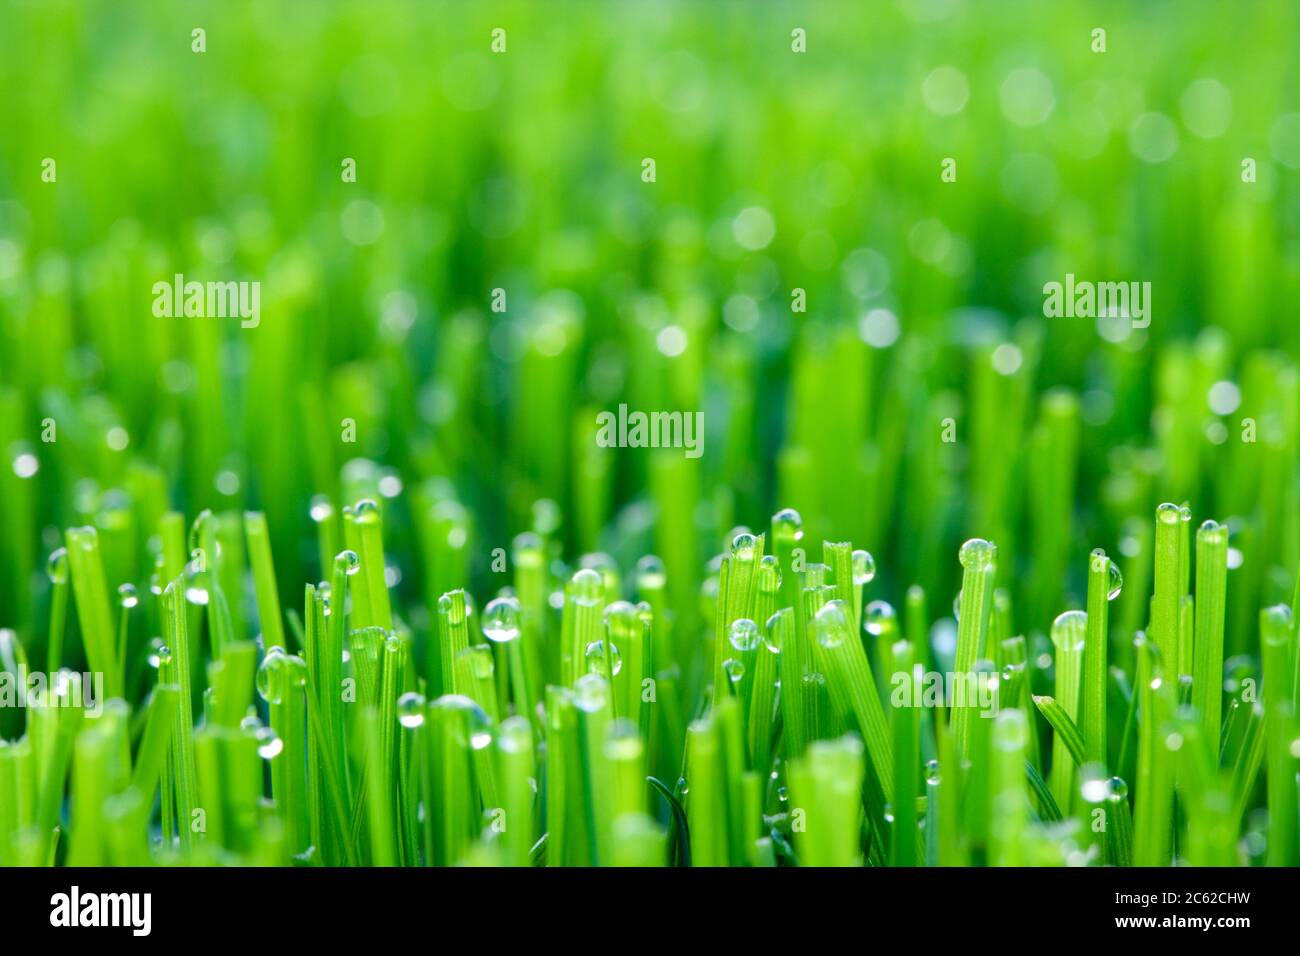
<point x="943" y="567"/>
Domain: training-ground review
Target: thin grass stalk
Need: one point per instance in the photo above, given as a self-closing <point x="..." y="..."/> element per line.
<point x="57" y="568"/>
<point x="1096" y="638"/>
<point x="268" y="596"/>
<point x="825" y="787"/>
<point x="1276" y="642"/>
<point x="1211" y="587"/>
<point x="174" y="668"/>
<point x="979" y="568"/>
<point x="1069" y="632"/>
<point x="706" y="799"/>
<point x="1153" y="817"/>
<point x="1009" y="830"/>
<point x="906" y="722"/>
<point x="516" y="770"/>
<point x="1165" y="603"/>
<point x="91" y="591"/>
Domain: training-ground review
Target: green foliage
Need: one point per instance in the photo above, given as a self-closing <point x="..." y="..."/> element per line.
<point x="358" y="585"/>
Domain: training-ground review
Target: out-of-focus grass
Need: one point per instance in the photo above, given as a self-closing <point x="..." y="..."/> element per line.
<point x="521" y="171"/>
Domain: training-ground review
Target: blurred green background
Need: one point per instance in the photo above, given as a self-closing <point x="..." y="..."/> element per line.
<point x="775" y="170"/>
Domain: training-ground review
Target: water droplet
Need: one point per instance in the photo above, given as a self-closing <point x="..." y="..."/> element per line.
<point x="1010" y="731"/>
<point x="366" y="511"/>
<point x="1279" y="615"/>
<point x="477" y="723"/>
<point x="57" y="566"/>
<point x="590" y="693"/>
<point x="270" y="676"/>
<point x="481" y="664"/>
<point x="321" y="509"/>
<point x="650" y="574"/>
<point x="196" y="579"/>
<point x="880" y="618"/>
<point x="1212" y="533"/>
<point x="743" y="546"/>
<point x="296" y="675"/>
<point x="832" y="624"/>
<point x="978" y="555"/>
<point x="526" y="541"/>
<point x="128" y="597"/>
<point x="734" y="669"/>
<point x="451" y="609"/>
<point x="588" y="588"/>
<point x="269" y="744"/>
<point x="347" y="562"/>
<point x="769" y="574"/>
<point x="1118" y="788"/>
<point x="546" y="516"/>
<point x="1114" y="580"/>
<point x="515" y="736"/>
<point x="864" y="567"/>
<point x="782" y="794"/>
<point x="197" y="529"/>
<point x="410" y="709"/>
<point x="620" y="618"/>
<point x="932" y="774"/>
<point x="646" y="615"/>
<point x="623" y="741"/>
<point x="154" y="652"/>
<point x="390" y="484"/>
<point x="595" y="655"/>
<point x="1012" y="671"/>
<point x="787" y="524"/>
<point x="1069" y="629"/>
<point x="25" y="464"/>
<point x="1168" y="513"/>
<point x="501" y="620"/>
<point x="772" y="631"/>
<point x="744" y="635"/>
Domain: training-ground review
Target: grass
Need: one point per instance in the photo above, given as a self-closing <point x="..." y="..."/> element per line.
<point x="362" y="588"/>
<point x="369" y="758"/>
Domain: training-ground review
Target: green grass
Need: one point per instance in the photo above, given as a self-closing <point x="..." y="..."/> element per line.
<point x="360" y="758"/>
<point x="362" y="588"/>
